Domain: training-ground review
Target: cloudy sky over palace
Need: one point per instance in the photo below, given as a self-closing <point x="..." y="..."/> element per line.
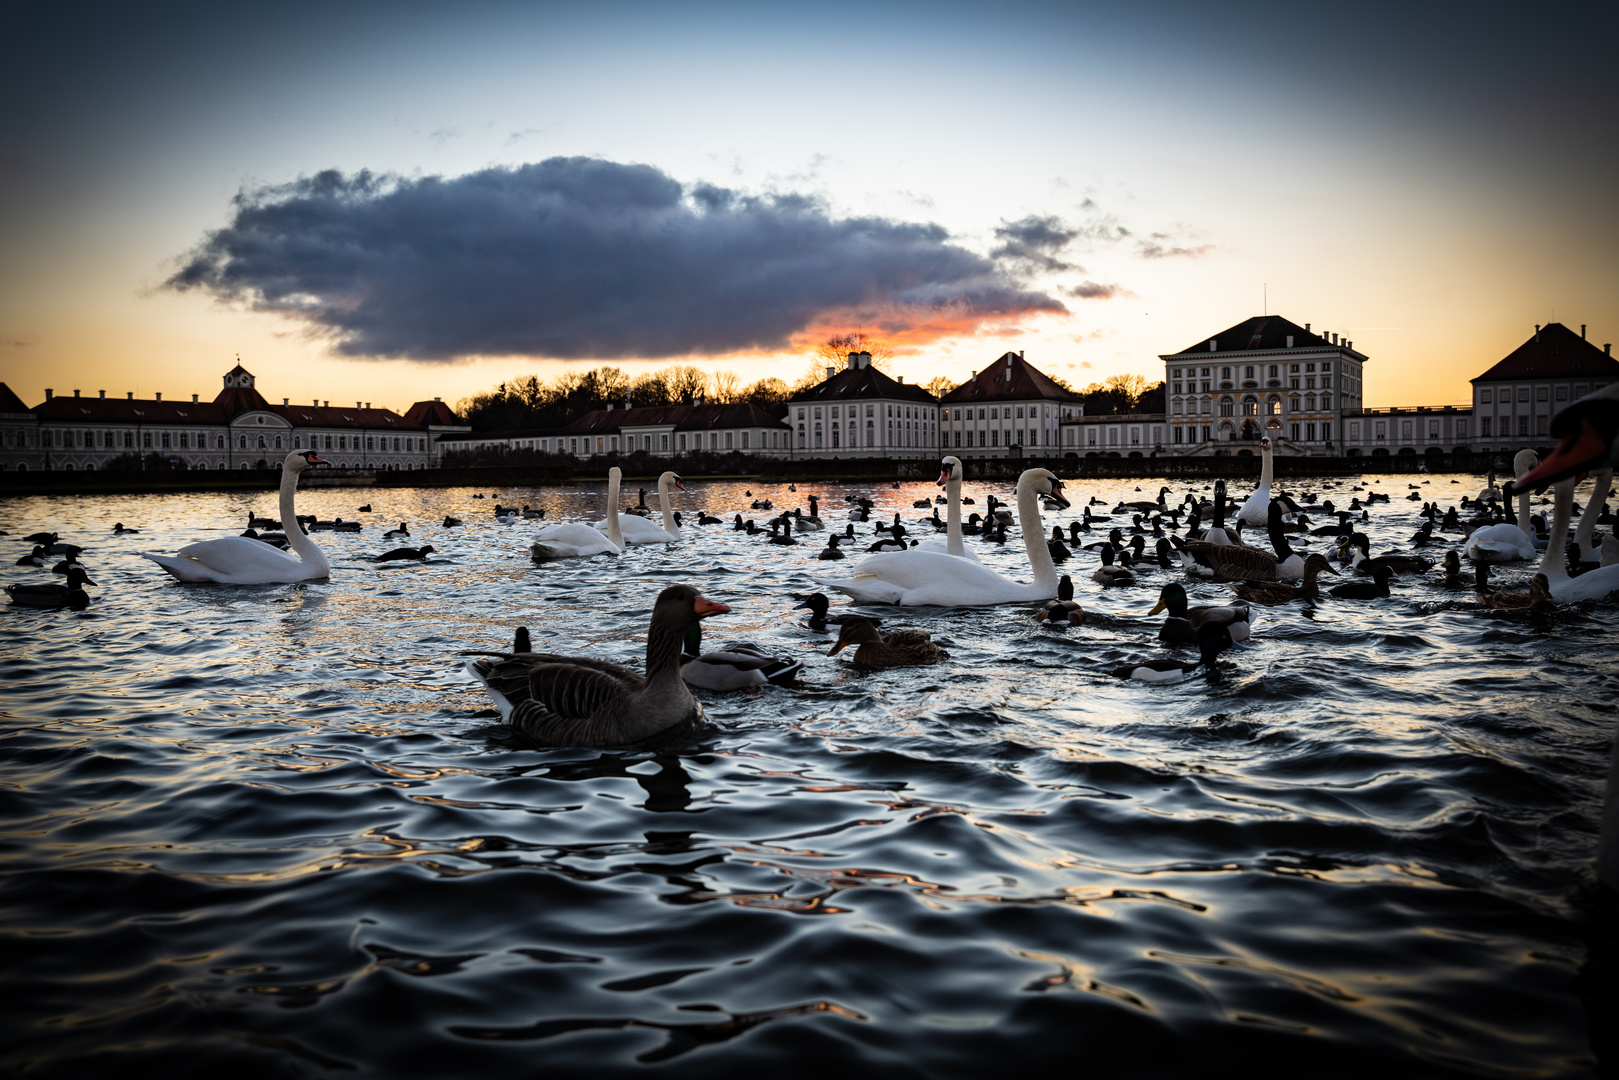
<point x="393" y="201"/>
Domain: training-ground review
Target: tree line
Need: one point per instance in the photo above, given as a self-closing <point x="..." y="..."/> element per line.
<point x="532" y="402"/>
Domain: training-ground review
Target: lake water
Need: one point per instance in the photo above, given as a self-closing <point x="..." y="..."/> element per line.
<point x="276" y="830"/>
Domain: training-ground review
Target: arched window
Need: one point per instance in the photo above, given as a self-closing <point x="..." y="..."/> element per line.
<point x="219" y="444"/>
<point x="297" y="442"/>
<point x="243" y="446"/>
<point x="278" y="442"/>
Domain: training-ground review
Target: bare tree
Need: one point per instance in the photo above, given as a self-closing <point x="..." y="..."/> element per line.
<point x="1129" y="386"/>
<point x="835" y="350"/>
<point x="651" y="389"/>
<point x="686" y="383"/>
<point x="939" y="385"/>
<point x="768" y="393"/>
<point x="725" y="388"/>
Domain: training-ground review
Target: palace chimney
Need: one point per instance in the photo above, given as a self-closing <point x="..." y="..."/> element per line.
<point x="130" y="395"/>
<point x="1582" y="331"/>
<point x="75" y="393"/>
<point x="194" y="400"/>
<point x="103" y="395"/>
<point x="157" y="397"/>
<point x="49" y="393"/>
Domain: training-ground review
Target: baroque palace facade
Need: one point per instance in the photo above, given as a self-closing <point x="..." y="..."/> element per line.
<point x="239" y="429"/>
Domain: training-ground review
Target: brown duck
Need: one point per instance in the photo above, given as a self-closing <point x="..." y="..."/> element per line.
<point x="902" y="648"/>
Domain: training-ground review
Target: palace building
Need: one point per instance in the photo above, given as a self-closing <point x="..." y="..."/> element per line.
<point x="1009" y="409"/>
<point x="859" y="412"/>
<point x="238" y="429"/>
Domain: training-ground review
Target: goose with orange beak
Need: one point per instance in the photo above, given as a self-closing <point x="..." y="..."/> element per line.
<point x="579" y="701"/>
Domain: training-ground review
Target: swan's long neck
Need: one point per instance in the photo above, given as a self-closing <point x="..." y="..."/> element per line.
<point x="1034" y="536"/>
<point x="952" y="542"/>
<point x="663" y="504"/>
<point x="1555" y="563"/>
<point x="1268" y="469"/>
<point x="1523" y="514"/>
<point x="1593" y="510"/>
<point x="613" y="532"/>
<point x="297" y="539"/>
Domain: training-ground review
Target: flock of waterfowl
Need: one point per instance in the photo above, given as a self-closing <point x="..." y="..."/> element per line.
<point x="566" y="700"/>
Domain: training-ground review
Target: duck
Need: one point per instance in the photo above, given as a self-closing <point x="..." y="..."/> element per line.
<point x="777" y="536"/>
<point x="1059" y="550"/>
<point x="1538" y="600"/>
<point x="532" y="513"/>
<point x="921" y="504"/>
<point x="1064" y="609"/>
<point x="1256" y="509"/>
<point x="256" y="522"/>
<point x="1183" y="624"/>
<point x="638" y="531"/>
<point x="406" y="553"/>
<point x="1361" y="562"/>
<point x="33" y="558"/>
<point x="397" y="534"/>
<point x="930" y="578"/>
<point x="119" y="530"/>
<point x="902" y="648"/>
<point x="366" y="509"/>
<point x="1245" y="563"/>
<point x="705" y="518"/>
<point x="452" y="522"/>
<point x="1108" y="574"/>
<point x="1453" y="571"/>
<point x="579" y="701"/>
<point x="818" y="606"/>
<point x="507" y="515"/>
<point x="239" y="560"/>
<point x="736" y="667"/>
<point x="1285" y="592"/>
<point x="811" y="521"/>
<point x="831" y="551"/>
<point x="575" y="540"/>
<point x="40" y="538"/>
<point x="69" y="595"/>
<point x="1212" y="640"/>
<point x="1377" y="588"/>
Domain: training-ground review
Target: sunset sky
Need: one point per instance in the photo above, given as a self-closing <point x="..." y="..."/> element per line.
<point x="387" y="202"/>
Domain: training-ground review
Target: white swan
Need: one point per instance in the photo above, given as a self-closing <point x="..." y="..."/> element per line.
<point x="1592" y="585"/>
<point x="578" y="541"/>
<point x="638" y="530"/>
<point x="950" y="480"/>
<point x="242" y="560"/>
<point x="1584" y="533"/>
<point x="1505" y="542"/>
<point x="930" y="578"/>
<point x="1256" y="511"/>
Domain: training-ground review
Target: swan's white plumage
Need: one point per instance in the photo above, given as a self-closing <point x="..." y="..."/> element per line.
<point x="919" y="578"/>
<point x="952" y="543"/>
<point x="1256" y="510"/>
<point x="1592" y="585"/>
<point x="572" y="540"/>
<point x="242" y="560"/>
<point x="638" y="530"/>
<point x="1506" y="542"/>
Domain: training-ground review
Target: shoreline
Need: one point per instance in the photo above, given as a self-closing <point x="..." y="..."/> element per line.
<point x="765" y="471"/>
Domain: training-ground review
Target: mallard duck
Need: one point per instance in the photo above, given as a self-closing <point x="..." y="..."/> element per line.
<point x="451" y="522"/>
<point x="1283" y="592"/>
<point x="1360" y="561"/>
<point x="1064" y="609"/>
<point x="579" y="701"/>
<point x="1059" y="550"/>
<point x="70" y="595"/>
<point x="401" y="533"/>
<point x="705" y="518"/>
<point x="119" y="530"/>
<point x="831" y="550"/>
<point x="1375" y="589"/>
<point x="406" y="553"/>
<point x="33" y="558"/>
<point x="40" y="538"/>
<point x="532" y="513"/>
<point x="734" y="668"/>
<point x="366" y="509"/>
<point x="1453" y="578"/>
<point x="1184" y="624"/>
<point x="1212" y="640"/>
<point x="818" y="606"/>
<point x="1537" y="600"/>
<point x="1108" y="574"/>
<point x="777" y="536"/>
<point x="807" y="522"/>
<point x="902" y="648"/>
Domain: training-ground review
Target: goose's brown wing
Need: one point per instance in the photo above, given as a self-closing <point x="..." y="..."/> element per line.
<point x="1243" y="563"/>
<point x="511" y="674"/>
<point x="562" y="699"/>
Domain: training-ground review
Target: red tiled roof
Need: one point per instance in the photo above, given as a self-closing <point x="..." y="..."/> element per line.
<point x="1010" y="378"/>
<point x="1262" y="333"/>
<point x="124" y="410"/>
<point x="324" y="416"/>
<point x="235" y="400"/>
<point x="856" y="383"/>
<point x="1554" y="352"/>
<point x="436" y="413"/>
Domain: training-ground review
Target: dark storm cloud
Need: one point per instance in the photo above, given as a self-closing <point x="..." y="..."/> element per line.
<point x="582" y="258"/>
<point x="1034" y="243"/>
<point x="1092" y="290"/>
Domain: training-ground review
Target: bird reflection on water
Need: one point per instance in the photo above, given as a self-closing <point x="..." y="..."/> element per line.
<point x="283" y="818"/>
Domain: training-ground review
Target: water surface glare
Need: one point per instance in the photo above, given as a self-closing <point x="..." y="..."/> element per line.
<point x="276" y="829"/>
